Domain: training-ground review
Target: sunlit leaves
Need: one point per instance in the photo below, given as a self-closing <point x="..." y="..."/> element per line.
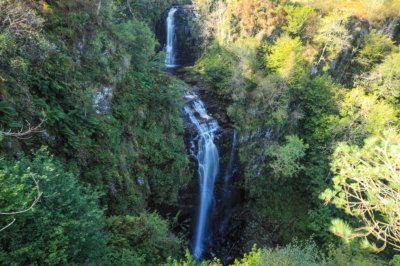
<point x="368" y="188"/>
<point x="301" y="21"/>
<point x="333" y="36"/>
<point x="286" y="161"/>
<point x="286" y="57"/>
<point x="374" y="49"/>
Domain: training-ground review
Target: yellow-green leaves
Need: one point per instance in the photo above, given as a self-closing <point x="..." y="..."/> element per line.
<point x="285" y="57"/>
<point x="369" y="179"/>
<point x="301" y="21"/>
<point x="333" y="36"/>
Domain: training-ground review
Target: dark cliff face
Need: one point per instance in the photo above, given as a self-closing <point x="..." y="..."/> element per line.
<point x="185" y="39"/>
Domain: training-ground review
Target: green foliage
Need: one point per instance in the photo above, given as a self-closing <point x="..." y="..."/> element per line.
<point x="64" y="227"/>
<point x="148" y="108"/>
<point x="286" y="159"/>
<point x="189" y="260"/>
<point x="217" y="66"/>
<point x="384" y="78"/>
<point x="373" y="50"/>
<point x="301" y="21"/>
<point x="333" y="35"/>
<point x="362" y="115"/>
<point x="307" y="253"/>
<point x="285" y="57"/>
<point x="366" y="185"/>
<point x="137" y="41"/>
<point x="292" y="254"/>
<point x="281" y="85"/>
<point x="351" y="255"/>
<point x="66" y="52"/>
<point x="395" y="260"/>
<point x="53" y="65"/>
<point x="143" y="240"/>
<point x="148" y="11"/>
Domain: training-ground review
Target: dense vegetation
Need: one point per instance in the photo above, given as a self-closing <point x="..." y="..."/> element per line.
<point x="92" y="151"/>
<point x="87" y="74"/>
<point x="312" y="89"/>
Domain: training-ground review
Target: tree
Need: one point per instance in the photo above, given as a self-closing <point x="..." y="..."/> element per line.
<point x="286" y="57"/>
<point x="373" y="50"/>
<point x="384" y="79"/>
<point x="286" y="158"/>
<point x="141" y="240"/>
<point x="253" y="18"/>
<point x="19" y="19"/>
<point x="65" y="226"/>
<point x="333" y="36"/>
<point x="301" y="21"/>
<point x="292" y="254"/>
<point x="367" y="185"/>
<point x="362" y="115"/>
<point x="214" y="24"/>
<point x="22" y="134"/>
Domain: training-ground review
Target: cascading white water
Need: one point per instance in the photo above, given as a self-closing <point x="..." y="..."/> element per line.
<point x="208" y="166"/>
<point x="169" y="48"/>
<point x="202" y="147"/>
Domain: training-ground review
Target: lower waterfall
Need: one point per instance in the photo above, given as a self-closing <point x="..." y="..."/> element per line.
<point x="206" y="153"/>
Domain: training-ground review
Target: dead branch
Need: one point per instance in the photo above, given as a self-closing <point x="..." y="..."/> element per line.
<point x="24" y="133"/>
<point x="20" y="19"/>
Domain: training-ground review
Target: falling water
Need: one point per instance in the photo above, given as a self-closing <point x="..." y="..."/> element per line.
<point x="208" y="167"/>
<point x="230" y="170"/>
<point x="202" y="148"/>
<point x="227" y="193"/>
<point x="170" y="49"/>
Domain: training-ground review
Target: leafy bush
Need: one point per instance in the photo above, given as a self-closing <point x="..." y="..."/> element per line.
<point x="286" y="57"/>
<point x="64" y="227"/>
<point x="373" y="50"/>
<point x="301" y="21"/>
<point x="286" y="158"/>
<point x="143" y="239"/>
<point x="292" y="254"/>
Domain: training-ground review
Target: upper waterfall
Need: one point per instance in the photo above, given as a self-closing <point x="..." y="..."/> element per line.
<point x="170" y="58"/>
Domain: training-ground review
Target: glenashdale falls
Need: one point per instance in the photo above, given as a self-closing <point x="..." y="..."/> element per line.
<point x="200" y="132"/>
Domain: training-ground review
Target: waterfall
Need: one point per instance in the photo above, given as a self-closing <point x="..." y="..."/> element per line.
<point x="208" y="167"/>
<point x="170" y="49"/>
<point x="202" y="148"/>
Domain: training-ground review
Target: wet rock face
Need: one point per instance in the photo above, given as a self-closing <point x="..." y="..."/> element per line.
<point x="102" y="100"/>
<point x="185" y="40"/>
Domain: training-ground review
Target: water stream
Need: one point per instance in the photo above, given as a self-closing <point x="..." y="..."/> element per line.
<point x="227" y="191"/>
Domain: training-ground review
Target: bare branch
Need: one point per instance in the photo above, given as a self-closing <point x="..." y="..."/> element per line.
<point x="8" y="225"/>
<point x="24" y="133"/>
